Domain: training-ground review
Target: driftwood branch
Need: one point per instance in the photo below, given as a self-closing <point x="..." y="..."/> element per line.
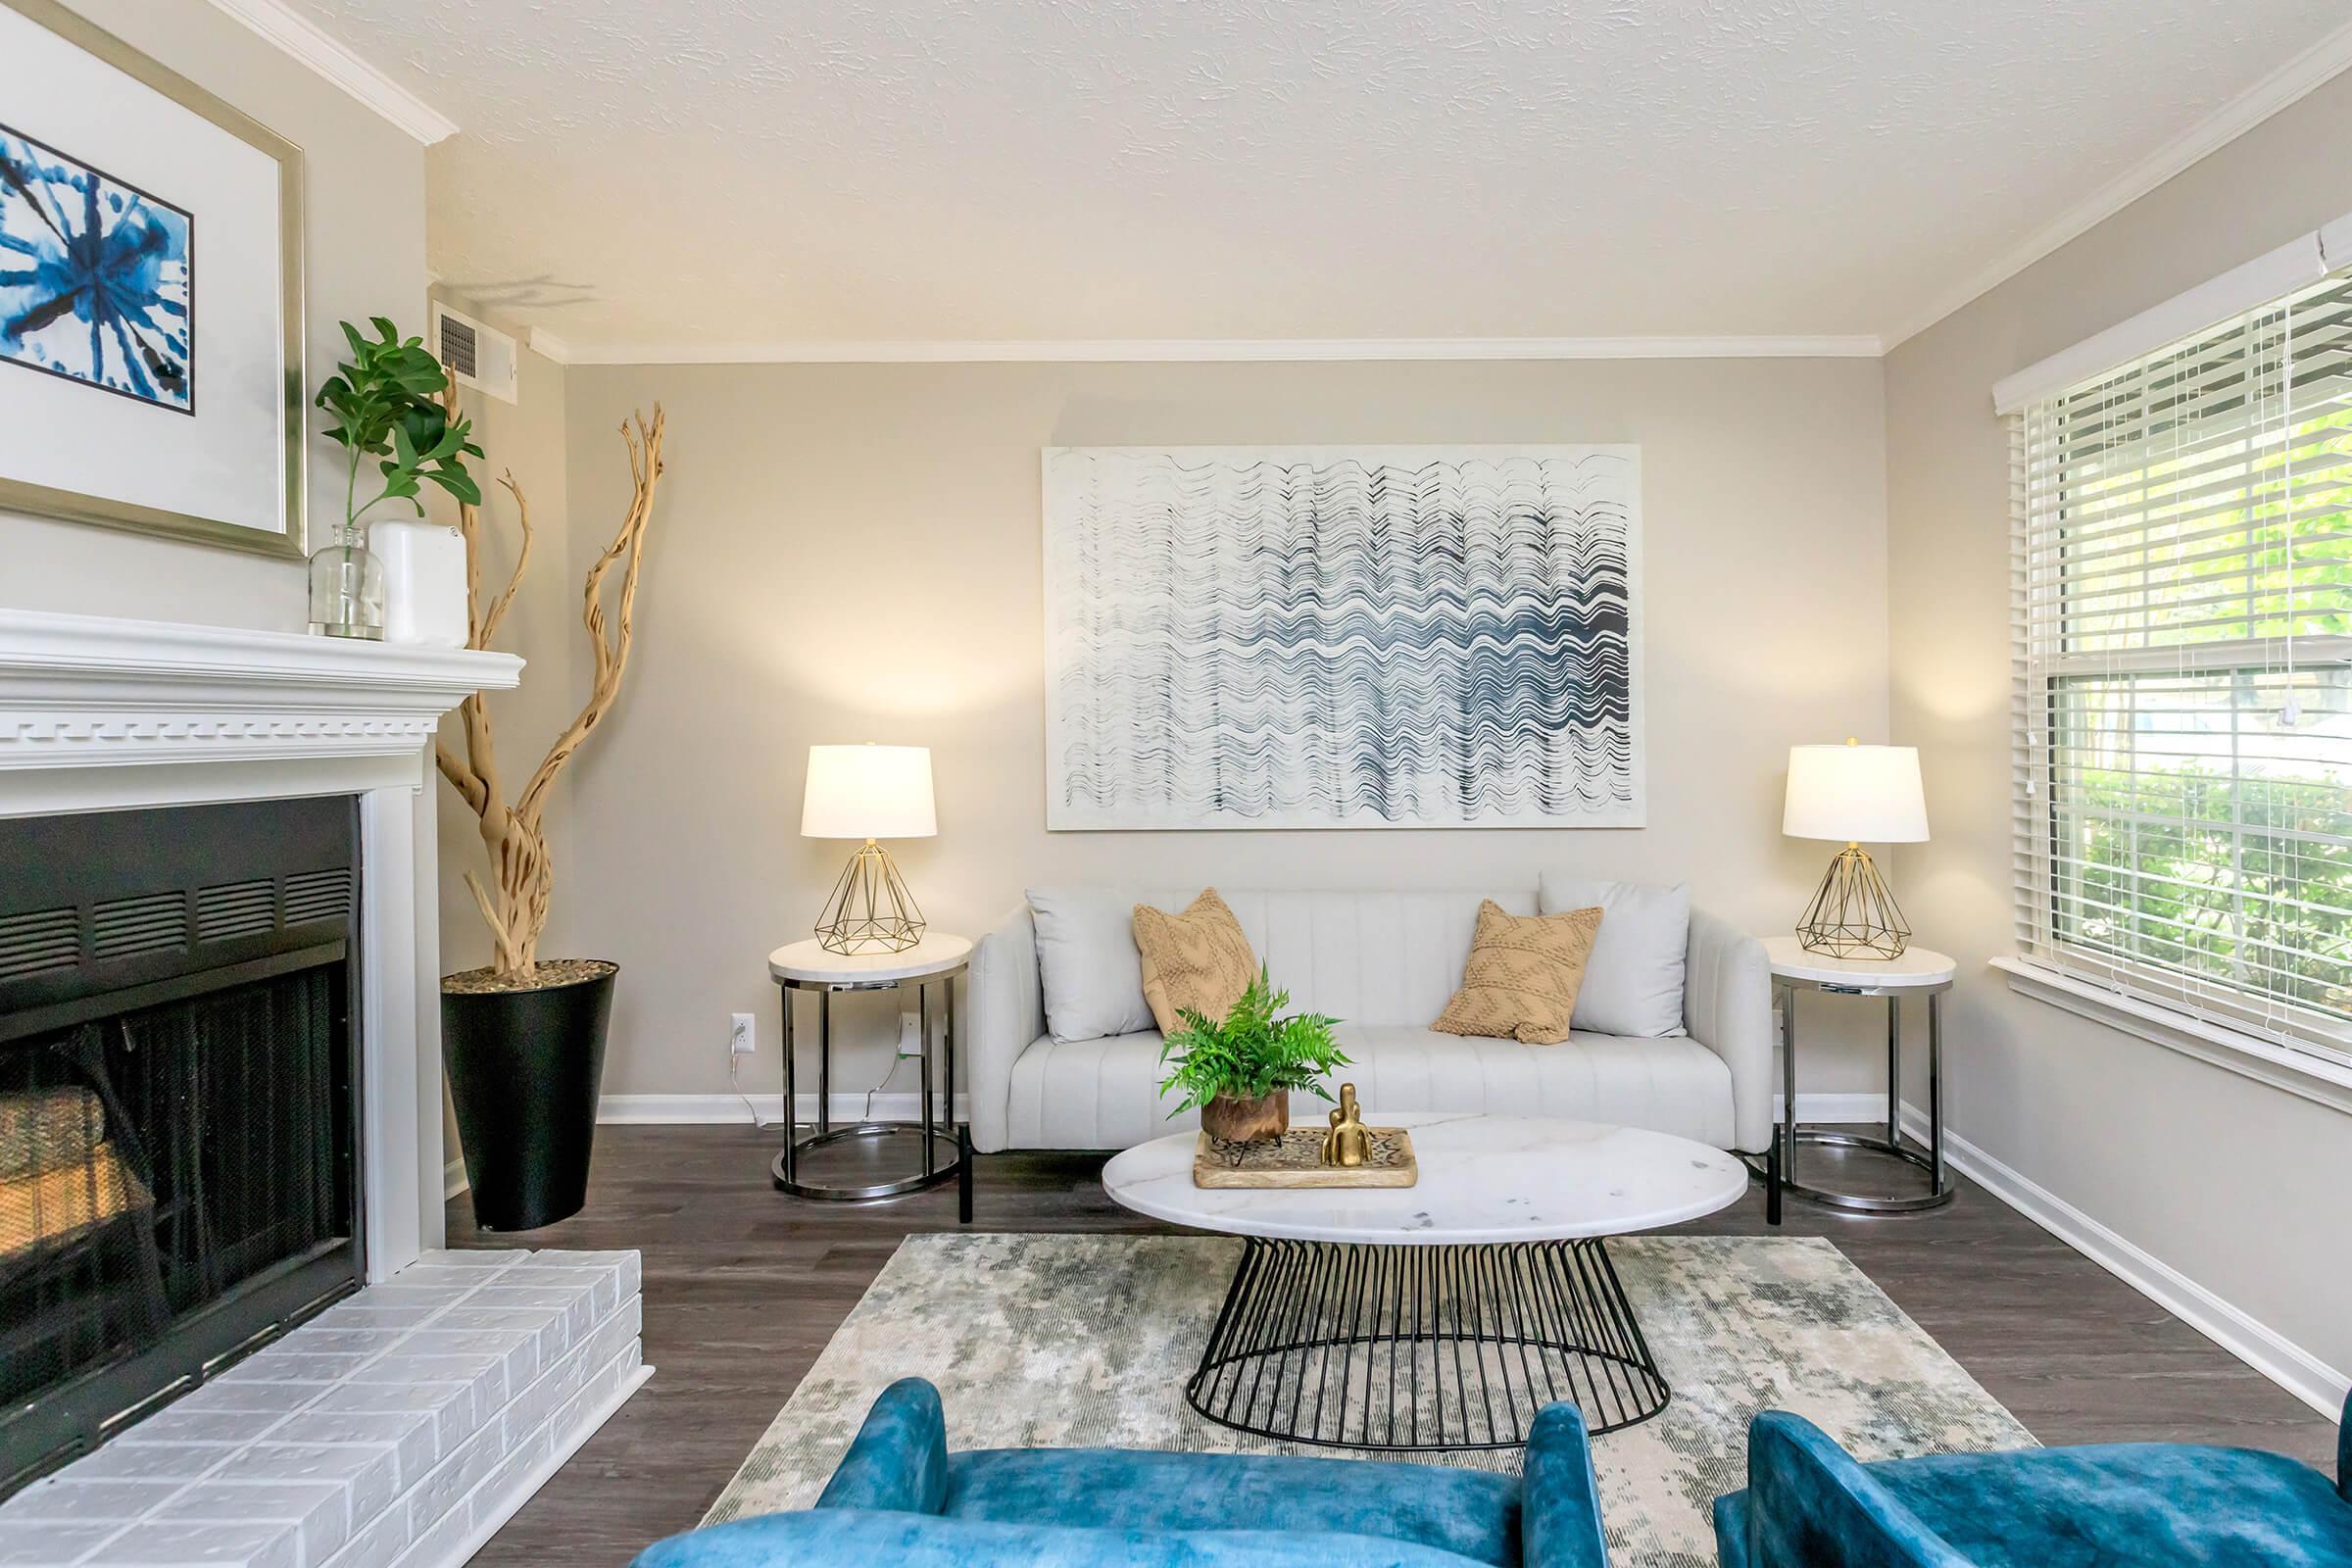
<point x="515" y="901"/>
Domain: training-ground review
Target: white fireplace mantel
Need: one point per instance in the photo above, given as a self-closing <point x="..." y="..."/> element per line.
<point x="106" y="714"/>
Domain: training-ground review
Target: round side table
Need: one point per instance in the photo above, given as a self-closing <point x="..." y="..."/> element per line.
<point x="1919" y="972"/>
<point x="938" y="959"/>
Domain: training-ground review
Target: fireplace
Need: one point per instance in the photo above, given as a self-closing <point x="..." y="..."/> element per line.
<point x="180" y="1105"/>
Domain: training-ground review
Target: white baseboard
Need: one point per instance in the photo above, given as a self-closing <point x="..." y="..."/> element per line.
<point x="683" y="1110"/>
<point x="452" y="1179"/>
<point x="2262" y="1348"/>
<point x="696" y="1110"/>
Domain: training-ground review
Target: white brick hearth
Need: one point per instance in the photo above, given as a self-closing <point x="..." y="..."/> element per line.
<point x="399" y="1429"/>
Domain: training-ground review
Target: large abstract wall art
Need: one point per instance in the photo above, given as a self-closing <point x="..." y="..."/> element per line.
<point x="94" y="277"/>
<point x="1343" y="637"/>
<point x="151" y="333"/>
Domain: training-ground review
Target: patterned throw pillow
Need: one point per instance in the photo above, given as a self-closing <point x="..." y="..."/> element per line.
<point x="1197" y="959"/>
<point x="1523" y="975"/>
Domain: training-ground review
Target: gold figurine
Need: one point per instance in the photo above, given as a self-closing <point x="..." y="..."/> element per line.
<point x="1346" y="1144"/>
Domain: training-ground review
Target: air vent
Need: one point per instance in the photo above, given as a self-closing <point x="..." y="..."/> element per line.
<point x="235" y="909"/>
<point x="38" y="942"/>
<point x="126" y="927"/>
<point x="459" y="340"/>
<point x="319" y="896"/>
<point x="479" y="356"/>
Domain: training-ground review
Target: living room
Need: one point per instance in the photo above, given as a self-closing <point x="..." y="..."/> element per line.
<point x="1013" y="784"/>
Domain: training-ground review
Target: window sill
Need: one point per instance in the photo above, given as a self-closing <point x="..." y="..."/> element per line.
<point x="2306" y="1076"/>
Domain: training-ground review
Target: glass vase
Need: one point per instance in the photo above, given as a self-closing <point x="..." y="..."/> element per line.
<point x="347" y="591"/>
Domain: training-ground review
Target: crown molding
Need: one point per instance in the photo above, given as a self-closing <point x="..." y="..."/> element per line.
<point x="1092" y="351"/>
<point x="2282" y="87"/>
<point x="548" y="346"/>
<point x="303" y="39"/>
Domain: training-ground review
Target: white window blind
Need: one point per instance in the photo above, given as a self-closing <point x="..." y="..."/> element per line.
<point x="2183" y="601"/>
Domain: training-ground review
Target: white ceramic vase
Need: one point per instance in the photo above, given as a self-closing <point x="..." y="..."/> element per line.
<point x="424" y="582"/>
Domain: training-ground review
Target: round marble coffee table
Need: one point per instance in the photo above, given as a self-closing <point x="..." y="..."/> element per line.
<point x="1445" y="1314"/>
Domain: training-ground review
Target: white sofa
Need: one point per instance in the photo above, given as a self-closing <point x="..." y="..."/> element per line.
<point x="1385" y="964"/>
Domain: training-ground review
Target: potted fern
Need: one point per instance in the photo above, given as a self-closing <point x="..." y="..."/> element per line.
<point x="1240" y="1072"/>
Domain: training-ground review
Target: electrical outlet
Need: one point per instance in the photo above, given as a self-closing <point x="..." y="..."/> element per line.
<point x="741" y="1041"/>
<point x="911" y="1034"/>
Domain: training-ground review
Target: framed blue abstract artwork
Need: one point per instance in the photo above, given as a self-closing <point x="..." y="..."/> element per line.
<point x="95" y="276"/>
<point x="151" y="350"/>
<point x="1286" y="637"/>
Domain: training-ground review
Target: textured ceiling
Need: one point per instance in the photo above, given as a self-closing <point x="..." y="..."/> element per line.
<point x="719" y="172"/>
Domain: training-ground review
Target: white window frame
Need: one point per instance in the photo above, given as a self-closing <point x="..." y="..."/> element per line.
<point x="2308" y="1053"/>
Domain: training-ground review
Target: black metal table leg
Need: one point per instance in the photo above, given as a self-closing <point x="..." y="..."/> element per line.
<point x="1351" y="1346"/>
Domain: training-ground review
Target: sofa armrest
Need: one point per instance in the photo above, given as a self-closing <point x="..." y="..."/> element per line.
<point x="1007" y="1012"/>
<point x="898" y="1459"/>
<point x="1809" y="1505"/>
<point x="1727" y="1006"/>
<point x="1560" y="1516"/>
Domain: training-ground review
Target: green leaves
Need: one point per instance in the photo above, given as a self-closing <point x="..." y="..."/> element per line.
<point x="1251" y="1053"/>
<point x="385" y="403"/>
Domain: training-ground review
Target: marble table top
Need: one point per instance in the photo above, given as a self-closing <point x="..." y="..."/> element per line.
<point x="1484" y="1179"/>
<point x="808" y="963"/>
<point x="1922" y="968"/>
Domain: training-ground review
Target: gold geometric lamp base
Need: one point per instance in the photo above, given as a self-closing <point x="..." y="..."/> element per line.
<point x="869" y="909"/>
<point x="1853" y="914"/>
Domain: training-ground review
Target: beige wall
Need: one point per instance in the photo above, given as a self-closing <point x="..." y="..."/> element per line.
<point x="2236" y="1184"/>
<point x="851" y="552"/>
<point x="363" y="234"/>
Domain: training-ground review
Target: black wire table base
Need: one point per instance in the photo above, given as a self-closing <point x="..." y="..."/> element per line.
<point x="1351" y="1346"/>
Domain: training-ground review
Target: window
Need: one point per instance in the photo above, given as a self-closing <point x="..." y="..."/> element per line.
<point x="2184" y="684"/>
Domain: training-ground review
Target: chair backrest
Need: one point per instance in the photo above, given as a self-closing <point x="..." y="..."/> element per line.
<point x="1368" y="958"/>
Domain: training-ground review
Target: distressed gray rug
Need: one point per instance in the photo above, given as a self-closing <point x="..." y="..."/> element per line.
<point x="1086" y="1340"/>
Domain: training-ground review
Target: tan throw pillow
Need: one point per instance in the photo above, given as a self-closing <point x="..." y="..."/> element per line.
<point x="1197" y="959"/>
<point x="1523" y="975"/>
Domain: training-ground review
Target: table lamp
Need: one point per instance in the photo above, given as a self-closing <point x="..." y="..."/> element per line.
<point x="1860" y="794"/>
<point x="869" y="793"/>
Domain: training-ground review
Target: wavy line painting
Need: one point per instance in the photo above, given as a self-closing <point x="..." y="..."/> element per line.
<point x="1326" y="637"/>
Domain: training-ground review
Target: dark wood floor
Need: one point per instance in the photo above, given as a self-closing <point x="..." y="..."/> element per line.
<point x="743" y="1287"/>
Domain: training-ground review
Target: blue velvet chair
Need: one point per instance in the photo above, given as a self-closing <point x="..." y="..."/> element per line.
<point x="1808" y="1504"/>
<point x="901" y="1498"/>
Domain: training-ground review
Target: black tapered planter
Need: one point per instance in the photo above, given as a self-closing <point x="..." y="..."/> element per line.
<point x="524" y="1069"/>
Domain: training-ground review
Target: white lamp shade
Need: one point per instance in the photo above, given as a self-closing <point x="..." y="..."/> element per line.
<point x="1855" y="794"/>
<point x="868" y="792"/>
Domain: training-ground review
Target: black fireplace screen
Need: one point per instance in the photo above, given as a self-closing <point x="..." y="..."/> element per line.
<point x="153" y="1161"/>
<point x="178" y="1103"/>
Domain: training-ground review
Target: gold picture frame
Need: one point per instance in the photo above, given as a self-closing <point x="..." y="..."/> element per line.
<point x="47" y="501"/>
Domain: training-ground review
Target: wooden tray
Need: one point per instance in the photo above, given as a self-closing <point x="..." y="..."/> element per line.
<point x="1295" y="1160"/>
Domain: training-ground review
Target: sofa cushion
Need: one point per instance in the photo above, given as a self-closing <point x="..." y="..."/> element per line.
<point x="1521" y="975"/>
<point x="1634" y="983"/>
<point x="1104" y="1093"/>
<point x="868" y="1538"/>
<point x="1471" y="1514"/>
<point x="1198" y="962"/>
<point x="1088" y="972"/>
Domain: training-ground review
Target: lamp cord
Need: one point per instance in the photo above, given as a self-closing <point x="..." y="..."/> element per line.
<point x="735" y="1081"/>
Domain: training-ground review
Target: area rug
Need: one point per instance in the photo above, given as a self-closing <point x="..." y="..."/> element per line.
<point x="1085" y="1342"/>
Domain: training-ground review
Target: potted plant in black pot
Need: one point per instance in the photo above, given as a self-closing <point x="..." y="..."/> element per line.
<point x="1241" y="1070"/>
<point x="523" y="1037"/>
